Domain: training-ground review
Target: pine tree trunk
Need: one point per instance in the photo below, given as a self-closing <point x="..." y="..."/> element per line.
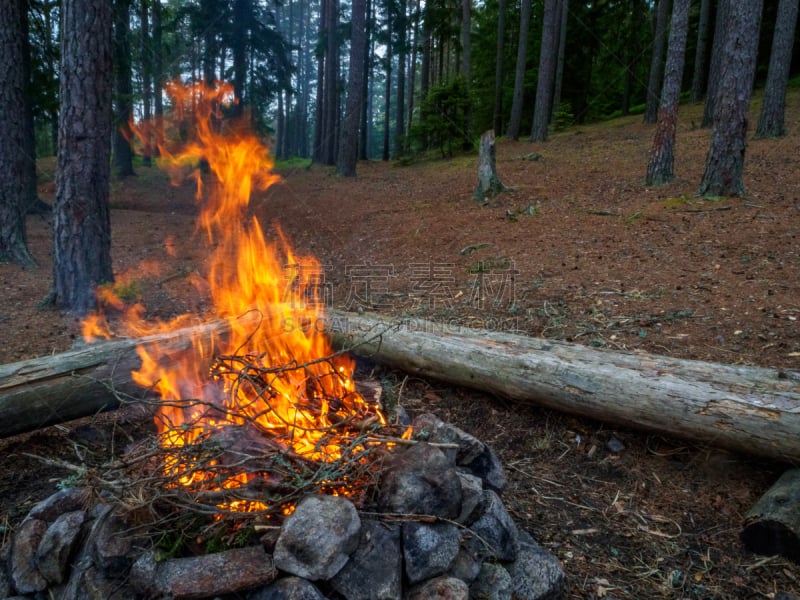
<point x="717" y="58"/>
<point x="81" y="223"/>
<point x="547" y="69"/>
<point x="515" y="118"/>
<point x="13" y="246"/>
<point x="400" y="110"/>
<point x="387" y="107"/>
<point x="497" y="110"/>
<point x="562" y="49"/>
<point x="158" y="75"/>
<point x="655" y="80"/>
<point x="660" y="168"/>
<point x="773" y="107"/>
<point x="123" y="153"/>
<point x="363" y="130"/>
<point x="147" y="81"/>
<point x="700" y="53"/>
<point x="348" y="149"/>
<point x="725" y="160"/>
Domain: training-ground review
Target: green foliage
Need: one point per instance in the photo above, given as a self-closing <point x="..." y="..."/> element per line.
<point x="563" y="116"/>
<point x="443" y="122"/>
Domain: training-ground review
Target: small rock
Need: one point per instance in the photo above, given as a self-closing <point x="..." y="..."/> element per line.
<point x="615" y="446"/>
<point x="375" y="569"/>
<point x="466" y="566"/>
<point x="440" y="588"/>
<point x="112" y="543"/>
<point x="536" y="574"/>
<point x="58" y="544"/>
<point x="25" y="576"/>
<point x="55" y="505"/>
<point x="421" y="481"/>
<point x="471" y="497"/>
<point x="494" y="532"/>
<point x="429" y="549"/>
<point x="493" y="583"/>
<point x="289" y="588"/>
<point x="317" y="539"/>
<point x="205" y="576"/>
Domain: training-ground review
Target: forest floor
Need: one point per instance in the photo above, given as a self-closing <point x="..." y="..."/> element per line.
<point x="578" y="249"/>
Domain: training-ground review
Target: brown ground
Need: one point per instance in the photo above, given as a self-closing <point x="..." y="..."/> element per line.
<point x="596" y="257"/>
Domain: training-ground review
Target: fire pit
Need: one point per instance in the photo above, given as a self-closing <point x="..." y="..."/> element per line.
<point x="270" y="472"/>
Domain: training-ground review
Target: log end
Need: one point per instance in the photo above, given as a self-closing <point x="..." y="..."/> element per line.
<point x="769" y="538"/>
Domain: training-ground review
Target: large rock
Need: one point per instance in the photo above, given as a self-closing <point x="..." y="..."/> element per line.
<point x="288" y="588"/>
<point x="536" y="574"/>
<point x="421" y="481"/>
<point x="494" y="532"/>
<point x="316" y="540"/>
<point x="375" y="569"/>
<point x="493" y="583"/>
<point x="25" y="575"/>
<point x="58" y="544"/>
<point x="429" y="549"/>
<point x="205" y="576"/>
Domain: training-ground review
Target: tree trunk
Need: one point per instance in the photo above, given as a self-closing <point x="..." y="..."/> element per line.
<point x="773" y="524"/>
<point x="81" y="223"/>
<point x="548" y="53"/>
<point x="489" y="184"/>
<point x="497" y="110"/>
<point x="348" y="149"/>
<point x="747" y="409"/>
<point x="123" y="153"/>
<point x="13" y="245"/>
<point x="773" y="107"/>
<point x="466" y="67"/>
<point x="562" y="49"/>
<point x="158" y="75"/>
<point x="363" y="130"/>
<point x="725" y="160"/>
<point x="331" y="99"/>
<point x="31" y="203"/>
<point x="400" y="110"/>
<point x="717" y="58"/>
<point x="700" y="53"/>
<point x="660" y="168"/>
<point x="519" y="75"/>
<point x="387" y="107"/>
<point x="147" y="82"/>
<point x="654" y="82"/>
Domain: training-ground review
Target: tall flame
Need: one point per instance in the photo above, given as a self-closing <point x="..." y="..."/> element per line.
<point x="269" y="297"/>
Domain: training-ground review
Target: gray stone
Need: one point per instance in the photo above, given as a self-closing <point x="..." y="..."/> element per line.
<point x="196" y="577"/>
<point x="471" y="453"/>
<point x="466" y="566"/>
<point x="429" y="549"/>
<point x="536" y="574"/>
<point x="494" y="533"/>
<point x="471" y="497"/>
<point x="288" y="588"/>
<point x="25" y="576"/>
<point x="58" y="545"/>
<point x="375" y="569"/>
<point x="112" y="543"/>
<point x="440" y="588"/>
<point x="493" y="583"/>
<point x="421" y="481"/>
<point x="317" y="539"/>
<point x="68" y="500"/>
<point x="5" y="580"/>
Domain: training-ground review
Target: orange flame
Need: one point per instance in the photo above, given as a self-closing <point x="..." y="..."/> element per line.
<point x="269" y="298"/>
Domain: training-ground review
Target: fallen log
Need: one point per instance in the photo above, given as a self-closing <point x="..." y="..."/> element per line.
<point x="52" y="389"/>
<point x="748" y="409"/>
<point x="773" y="524"/>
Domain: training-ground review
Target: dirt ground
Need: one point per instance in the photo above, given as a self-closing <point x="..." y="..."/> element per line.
<point x="578" y="249"/>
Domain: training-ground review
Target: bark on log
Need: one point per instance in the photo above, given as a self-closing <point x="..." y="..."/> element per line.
<point x="53" y="389"/>
<point x="747" y="409"/>
<point x="773" y="524"/>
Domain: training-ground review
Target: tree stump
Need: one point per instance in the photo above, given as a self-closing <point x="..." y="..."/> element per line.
<point x="773" y="524"/>
<point x="489" y="183"/>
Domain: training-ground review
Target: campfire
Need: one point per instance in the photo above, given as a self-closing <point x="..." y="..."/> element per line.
<point x="272" y="385"/>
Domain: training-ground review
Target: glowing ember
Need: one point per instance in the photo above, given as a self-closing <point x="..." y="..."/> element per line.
<point x="275" y="370"/>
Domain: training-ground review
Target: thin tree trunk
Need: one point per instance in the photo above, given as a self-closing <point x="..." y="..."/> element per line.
<point x="331" y="99"/>
<point x="413" y="70"/>
<point x="158" y="75"/>
<point x="660" y="168"/>
<point x="548" y="53"/>
<point x="147" y="82"/>
<point x="725" y="160"/>
<point x="497" y="109"/>
<point x="363" y="131"/>
<point x="81" y="220"/>
<point x="348" y="150"/>
<point x="773" y="108"/>
<point x="562" y="49"/>
<point x="519" y="76"/>
<point x="123" y="135"/>
<point x="13" y="244"/>
<point x="319" y="112"/>
<point x="655" y="80"/>
<point x="387" y="119"/>
<point x="400" y="111"/>
<point x="466" y="65"/>
<point x="700" y="53"/>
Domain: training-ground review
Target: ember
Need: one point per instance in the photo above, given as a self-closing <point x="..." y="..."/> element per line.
<point x="274" y="375"/>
